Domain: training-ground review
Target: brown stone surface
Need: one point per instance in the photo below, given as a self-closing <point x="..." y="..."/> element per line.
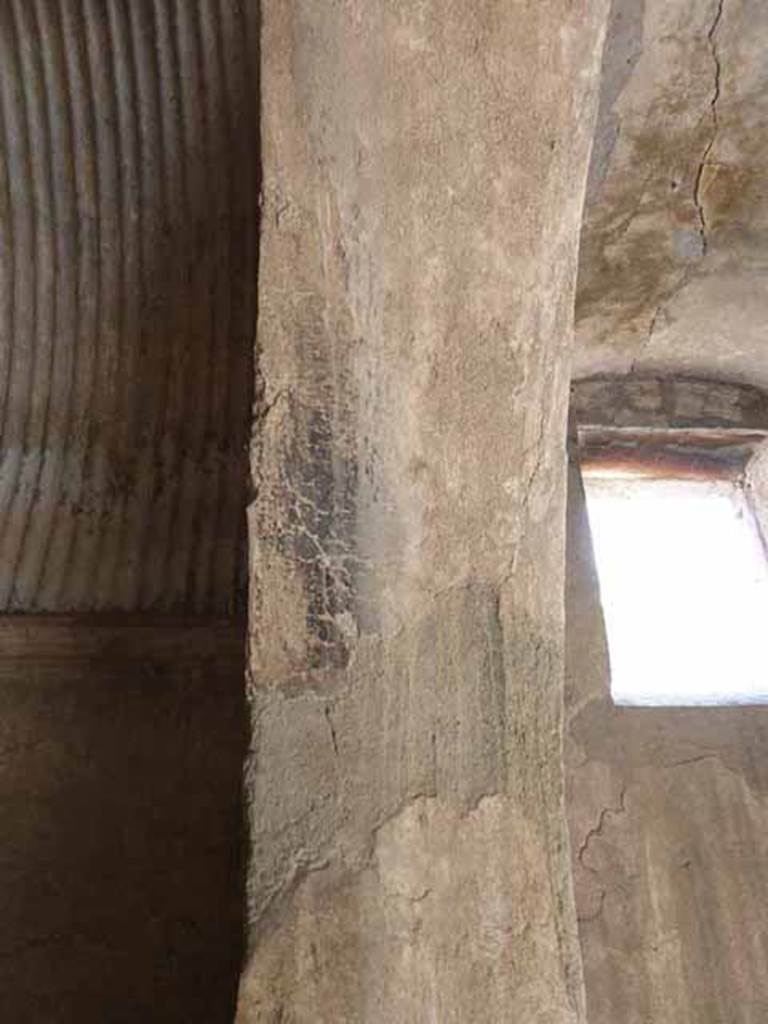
<point x="642" y="402"/>
<point x="121" y="749"/>
<point x="423" y="170"/>
<point x="668" y="811"/>
<point x="128" y="190"/>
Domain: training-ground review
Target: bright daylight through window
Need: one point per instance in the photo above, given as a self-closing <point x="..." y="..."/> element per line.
<point x="684" y="587"/>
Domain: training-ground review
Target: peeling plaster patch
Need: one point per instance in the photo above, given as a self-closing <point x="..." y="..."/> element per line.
<point x="438" y="878"/>
<point x="605" y="814"/>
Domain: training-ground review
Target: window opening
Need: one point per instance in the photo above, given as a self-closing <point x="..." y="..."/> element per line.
<point x="684" y="586"/>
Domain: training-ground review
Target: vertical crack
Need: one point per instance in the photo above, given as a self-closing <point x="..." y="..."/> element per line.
<point x="331" y="729"/>
<point x="598" y="828"/>
<point x="703" y="163"/>
<point x="643" y="349"/>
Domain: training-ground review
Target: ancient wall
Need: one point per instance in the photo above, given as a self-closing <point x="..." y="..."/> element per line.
<point x="128" y="226"/>
<point x="121" y="750"/>
<point x="128" y="195"/>
<point x="675" y="233"/>
<point x="423" y="172"/>
<point x="667" y="808"/>
<point x="668" y="813"/>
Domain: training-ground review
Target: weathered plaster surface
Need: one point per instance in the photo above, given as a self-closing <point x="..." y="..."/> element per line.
<point x="668" y="808"/>
<point x="674" y="250"/>
<point x="424" y="167"/>
<point x="668" y="812"/>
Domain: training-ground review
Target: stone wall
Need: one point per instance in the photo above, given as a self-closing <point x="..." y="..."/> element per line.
<point x="668" y="813"/>
<point x="424" y="166"/>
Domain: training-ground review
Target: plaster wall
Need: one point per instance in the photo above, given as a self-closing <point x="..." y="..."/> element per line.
<point x="121" y="842"/>
<point x="424" y="166"/>
<point x="668" y="814"/>
<point x="673" y="251"/>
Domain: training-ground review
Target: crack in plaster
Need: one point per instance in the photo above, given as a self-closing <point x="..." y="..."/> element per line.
<point x="588" y="918"/>
<point x="538" y="451"/>
<point x="694" y="760"/>
<point x="396" y="894"/>
<point x="704" y="162"/>
<point x="649" y="338"/>
<point x="582" y="851"/>
<point x="698" y="203"/>
<point x="332" y="730"/>
<point x="598" y="829"/>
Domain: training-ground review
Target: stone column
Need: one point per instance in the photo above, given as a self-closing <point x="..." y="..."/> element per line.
<point x="424" y="167"/>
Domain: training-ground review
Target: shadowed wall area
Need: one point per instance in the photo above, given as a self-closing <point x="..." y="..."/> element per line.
<point x="128" y="229"/>
<point x="120" y="859"/>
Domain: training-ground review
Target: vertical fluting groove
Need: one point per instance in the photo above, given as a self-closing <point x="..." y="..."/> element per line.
<point x="69" y="262"/>
<point x="101" y="429"/>
<point x="69" y="593"/>
<point x="41" y="450"/>
<point x="178" y="188"/>
<point x="192" y="565"/>
<point x="8" y="256"/>
<point x="85" y="231"/>
<point x="243" y="32"/>
<point x="38" y="390"/>
<point x="112" y="495"/>
<point x="220" y="572"/>
<point x="179" y="555"/>
<point x="139" y="403"/>
<point x="56" y="112"/>
<point x="198" y="567"/>
<point x="19" y="346"/>
<point x="250" y="20"/>
<point x="173" y="188"/>
<point x="128" y="217"/>
<point x="155" y="320"/>
<point x="199" y="571"/>
<point x="116" y="552"/>
<point x="122" y="454"/>
<point x="197" y="141"/>
<point x="176" y="425"/>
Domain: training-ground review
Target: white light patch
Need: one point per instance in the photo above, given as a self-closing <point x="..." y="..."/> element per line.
<point x="684" y="587"/>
